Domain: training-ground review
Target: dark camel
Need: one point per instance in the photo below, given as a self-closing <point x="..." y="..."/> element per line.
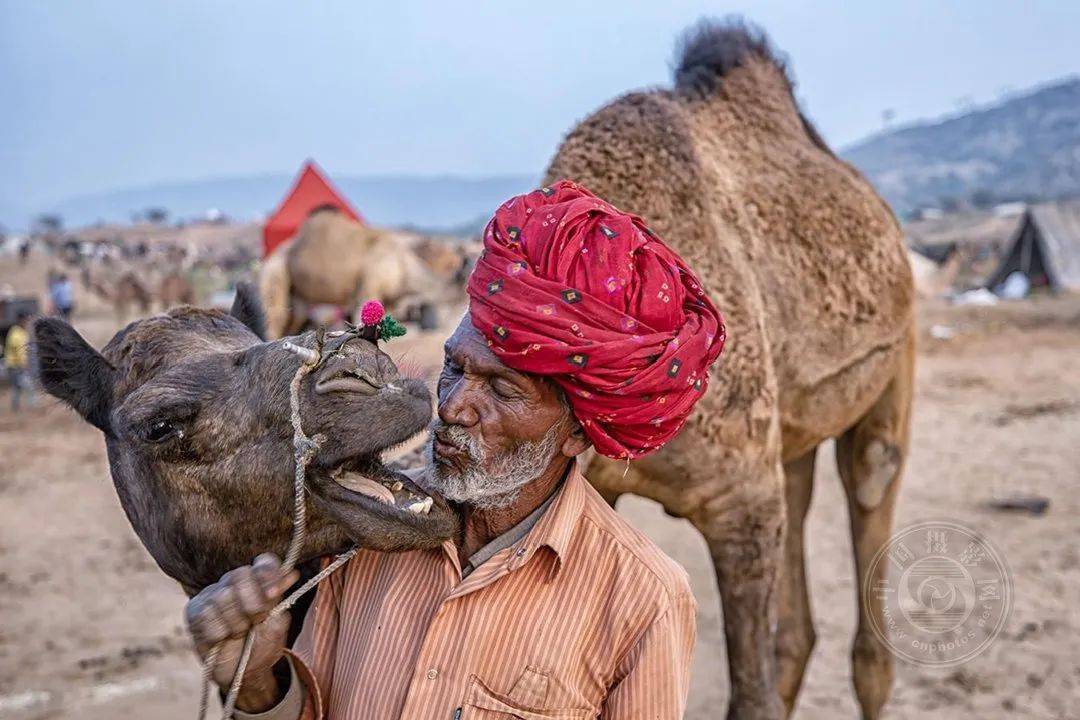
<point x="194" y="407"/>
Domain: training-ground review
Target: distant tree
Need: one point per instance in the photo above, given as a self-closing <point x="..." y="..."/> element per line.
<point x="887" y="116"/>
<point x="47" y="224"/>
<point x="156" y="215"/>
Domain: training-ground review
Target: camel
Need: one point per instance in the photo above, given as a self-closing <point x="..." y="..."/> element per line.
<point x="174" y="289"/>
<point x="809" y="267"/>
<point x="122" y="287"/>
<point x="129" y="289"/>
<point x="447" y="259"/>
<point x="334" y="260"/>
<point x="194" y="407"/>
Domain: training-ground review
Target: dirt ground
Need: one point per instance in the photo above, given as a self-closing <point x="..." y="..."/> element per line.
<point x="92" y="629"/>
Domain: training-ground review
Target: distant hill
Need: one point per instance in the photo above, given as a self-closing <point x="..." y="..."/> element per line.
<point x="1027" y="147"/>
<point x="429" y="203"/>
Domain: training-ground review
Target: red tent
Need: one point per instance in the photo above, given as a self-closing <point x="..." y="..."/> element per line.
<point x="311" y="190"/>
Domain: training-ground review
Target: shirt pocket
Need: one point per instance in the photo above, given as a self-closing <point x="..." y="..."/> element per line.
<point x="483" y="704"/>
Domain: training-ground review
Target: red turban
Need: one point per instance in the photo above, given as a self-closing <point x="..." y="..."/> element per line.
<point x="571" y="288"/>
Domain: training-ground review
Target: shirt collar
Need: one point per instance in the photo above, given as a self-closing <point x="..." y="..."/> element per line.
<point x="510" y="537"/>
<point x="556" y="526"/>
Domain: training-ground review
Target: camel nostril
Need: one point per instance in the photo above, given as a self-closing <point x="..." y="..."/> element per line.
<point x="417" y="389"/>
<point x="387" y="370"/>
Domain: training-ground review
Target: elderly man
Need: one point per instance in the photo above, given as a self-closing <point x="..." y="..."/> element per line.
<point x="548" y="606"/>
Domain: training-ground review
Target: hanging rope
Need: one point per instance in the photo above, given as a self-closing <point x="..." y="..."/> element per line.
<point x="304" y="449"/>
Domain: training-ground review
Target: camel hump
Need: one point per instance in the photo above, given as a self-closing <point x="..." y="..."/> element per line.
<point x="710" y="49"/>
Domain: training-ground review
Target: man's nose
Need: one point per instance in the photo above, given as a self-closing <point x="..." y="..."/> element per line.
<point x="454" y="406"/>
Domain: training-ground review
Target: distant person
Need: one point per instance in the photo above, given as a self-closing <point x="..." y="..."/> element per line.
<point x="17" y="360"/>
<point x="62" y="295"/>
<point x="24" y="251"/>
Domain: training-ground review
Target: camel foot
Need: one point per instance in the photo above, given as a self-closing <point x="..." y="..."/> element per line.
<point x="756" y="709"/>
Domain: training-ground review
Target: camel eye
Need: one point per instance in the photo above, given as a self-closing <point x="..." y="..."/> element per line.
<point x="162" y="430"/>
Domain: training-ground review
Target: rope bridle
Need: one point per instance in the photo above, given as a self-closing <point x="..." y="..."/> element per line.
<point x="304" y="450"/>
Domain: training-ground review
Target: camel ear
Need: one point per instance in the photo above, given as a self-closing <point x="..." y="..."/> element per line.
<point x="248" y="309"/>
<point x="69" y="369"/>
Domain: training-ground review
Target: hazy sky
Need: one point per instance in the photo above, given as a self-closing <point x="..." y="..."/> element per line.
<point x="102" y="95"/>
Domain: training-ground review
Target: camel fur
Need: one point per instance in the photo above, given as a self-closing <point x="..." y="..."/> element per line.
<point x="808" y="265"/>
<point x="334" y="260"/>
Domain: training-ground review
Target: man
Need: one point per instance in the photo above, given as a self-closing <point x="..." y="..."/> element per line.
<point x="16" y="359"/>
<point x="62" y="295"/>
<point x="549" y="605"/>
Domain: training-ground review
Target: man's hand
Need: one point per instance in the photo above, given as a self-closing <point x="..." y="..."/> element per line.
<point x="225" y="611"/>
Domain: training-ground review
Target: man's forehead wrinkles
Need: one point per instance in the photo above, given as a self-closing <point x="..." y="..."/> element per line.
<point x="480" y="361"/>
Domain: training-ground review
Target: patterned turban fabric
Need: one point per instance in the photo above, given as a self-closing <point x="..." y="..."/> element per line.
<point x="571" y="288"/>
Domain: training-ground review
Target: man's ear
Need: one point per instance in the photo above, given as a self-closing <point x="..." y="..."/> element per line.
<point x="577" y="441"/>
<point x="69" y="369"/>
<point x="248" y="309"/>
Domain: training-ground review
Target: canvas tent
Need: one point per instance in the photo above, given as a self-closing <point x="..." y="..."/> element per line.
<point x="1045" y="247"/>
<point x="311" y="190"/>
<point x="967" y="246"/>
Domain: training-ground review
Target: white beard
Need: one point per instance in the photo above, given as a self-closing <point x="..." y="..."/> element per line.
<point x="499" y="486"/>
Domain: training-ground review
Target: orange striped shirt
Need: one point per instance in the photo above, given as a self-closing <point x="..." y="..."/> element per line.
<point x="582" y="618"/>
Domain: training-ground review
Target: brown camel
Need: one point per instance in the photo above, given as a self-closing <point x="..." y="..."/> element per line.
<point x="127" y="290"/>
<point x="174" y="289"/>
<point x="195" y="410"/>
<point x="808" y="265"/>
<point x="336" y="261"/>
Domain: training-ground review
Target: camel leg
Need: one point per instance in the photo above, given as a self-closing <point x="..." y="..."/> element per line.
<point x="871" y="457"/>
<point x="795" y="637"/>
<point x="610" y="496"/>
<point x="744" y="531"/>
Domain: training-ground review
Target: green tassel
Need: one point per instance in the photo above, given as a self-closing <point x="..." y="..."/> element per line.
<point x="390" y="328"/>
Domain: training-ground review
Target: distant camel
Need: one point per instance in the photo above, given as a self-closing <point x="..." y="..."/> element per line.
<point x="174" y="289"/>
<point x="808" y="265"/>
<point x="128" y="290"/>
<point x="334" y="260"/>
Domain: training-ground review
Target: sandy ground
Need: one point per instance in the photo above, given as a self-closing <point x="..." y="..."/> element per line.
<point x="92" y="629"/>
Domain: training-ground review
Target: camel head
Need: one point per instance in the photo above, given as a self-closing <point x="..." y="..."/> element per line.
<point x="195" y="411"/>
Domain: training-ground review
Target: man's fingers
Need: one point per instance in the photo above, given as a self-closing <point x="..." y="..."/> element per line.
<point x="241" y="599"/>
<point x="267" y="570"/>
<point x="267" y="563"/>
<point x="228" y="606"/>
<point x="249" y="593"/>
<point x="283" y="583"/>
<point x="205" y="623"/>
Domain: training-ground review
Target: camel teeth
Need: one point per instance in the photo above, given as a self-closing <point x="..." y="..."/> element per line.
<point x="396" y="486"/>
<point x="420" y="507"/>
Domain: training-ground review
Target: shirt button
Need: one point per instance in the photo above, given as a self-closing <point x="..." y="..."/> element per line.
<point x="521" y="552"/>
<point x="432" y="674"/>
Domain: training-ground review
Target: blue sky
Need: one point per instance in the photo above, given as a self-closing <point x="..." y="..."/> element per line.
<point x="100" y="95"/>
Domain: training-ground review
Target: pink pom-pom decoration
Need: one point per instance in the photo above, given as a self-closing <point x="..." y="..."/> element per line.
<point x="372" y="312"/>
